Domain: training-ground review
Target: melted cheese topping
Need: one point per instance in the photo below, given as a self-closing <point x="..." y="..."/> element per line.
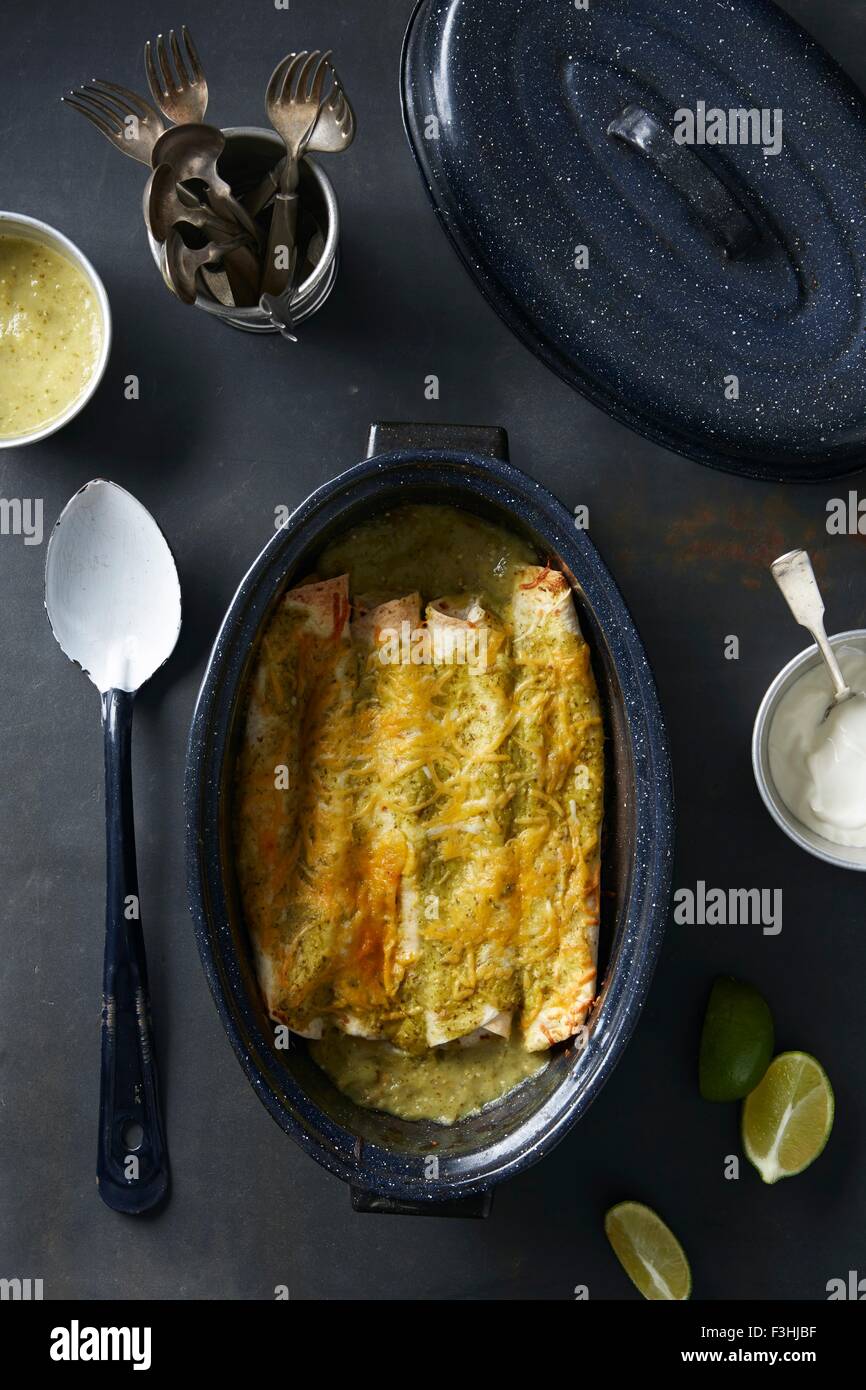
<point x="430" y="872"/>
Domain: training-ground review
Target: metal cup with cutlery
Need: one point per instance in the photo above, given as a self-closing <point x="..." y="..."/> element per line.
<point x="241" y="222"/>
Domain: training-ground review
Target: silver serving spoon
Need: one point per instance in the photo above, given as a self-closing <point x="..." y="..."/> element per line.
<point x="166" y="202"/>
<point x="113" y="601"/>
<point x="795" y="577"/>
<point x="192" y="152"/>
<point x="180" y="265"/>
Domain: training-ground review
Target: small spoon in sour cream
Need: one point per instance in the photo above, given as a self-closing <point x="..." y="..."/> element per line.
<point x="795" y="577"/>
<point x="817" y="751"/>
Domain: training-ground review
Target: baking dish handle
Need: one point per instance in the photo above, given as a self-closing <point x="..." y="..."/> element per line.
<point x="475" y="1207"/>
<point x="704" y="192"/>
<point x="387" y="437"/>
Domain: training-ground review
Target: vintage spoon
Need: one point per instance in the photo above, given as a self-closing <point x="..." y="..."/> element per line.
<point x="795" y="577"/>
<point x="165" y="206"/>
<point x="181" y="263"/>
<point x="164" y="272"/>
<point x="333" y="132"/>
<point x="191" y="199"/>
<point x="113" y="601"/>
<point x="192" y="152"/>
<point x="216" y="282"/>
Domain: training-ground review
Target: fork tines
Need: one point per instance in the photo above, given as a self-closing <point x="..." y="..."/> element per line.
<point x="122" y="116"/>
<point x="104" y="102"/>
<point x="301" y="77"/>
<point x="338" y="103"/>
<point x="103" y="117"/>
<point x="187" y="68"/>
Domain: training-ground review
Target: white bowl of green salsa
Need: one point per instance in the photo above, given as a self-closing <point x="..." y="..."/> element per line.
<point x="55" y="330"/>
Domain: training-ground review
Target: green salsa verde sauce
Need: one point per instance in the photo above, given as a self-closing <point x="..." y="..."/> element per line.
<point x="443" y="1084"/>
<point x="436" y="550"/>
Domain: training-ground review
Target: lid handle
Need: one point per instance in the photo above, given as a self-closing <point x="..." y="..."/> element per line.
<point x="704" y="192"/>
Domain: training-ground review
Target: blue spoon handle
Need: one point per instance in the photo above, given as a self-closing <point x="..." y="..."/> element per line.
<point x="132" y="1163"/>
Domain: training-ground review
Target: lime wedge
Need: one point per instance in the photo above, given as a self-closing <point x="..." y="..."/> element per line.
<point x="737" y="1041"/>
<point x="788" y="1118"/>
<point x="650" y="1254"/>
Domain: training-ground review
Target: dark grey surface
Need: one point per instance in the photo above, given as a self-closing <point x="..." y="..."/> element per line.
<point x="227" y="428"/>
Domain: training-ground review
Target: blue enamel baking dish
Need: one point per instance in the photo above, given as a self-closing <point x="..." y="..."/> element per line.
<point x="386" y="1161"/>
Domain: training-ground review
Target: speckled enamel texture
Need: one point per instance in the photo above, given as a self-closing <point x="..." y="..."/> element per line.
<point x="756" y="363"/>
<point x="376" y="1153"/>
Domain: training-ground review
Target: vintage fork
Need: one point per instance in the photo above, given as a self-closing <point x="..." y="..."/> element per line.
<point x="123" y="117"/>
<point x="293" y="101"/>
<point x="180" y="95"/>
<point x="334" y="131"/>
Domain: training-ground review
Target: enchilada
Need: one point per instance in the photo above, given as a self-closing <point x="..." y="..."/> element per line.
<point x="431" y="882"/>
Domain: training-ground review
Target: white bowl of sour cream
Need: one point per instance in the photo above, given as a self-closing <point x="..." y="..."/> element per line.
<point x="811" y="772"/>
<point x="55" y="330"/>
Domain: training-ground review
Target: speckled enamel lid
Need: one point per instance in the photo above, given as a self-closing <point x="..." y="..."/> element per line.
<point x="710" y="295"/>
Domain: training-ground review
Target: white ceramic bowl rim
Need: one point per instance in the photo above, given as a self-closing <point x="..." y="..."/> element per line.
<point x="35" y="230"/>
<point x="842" y="856"/>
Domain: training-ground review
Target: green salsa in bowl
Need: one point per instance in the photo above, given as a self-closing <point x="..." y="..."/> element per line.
<point x="55" y="330"/>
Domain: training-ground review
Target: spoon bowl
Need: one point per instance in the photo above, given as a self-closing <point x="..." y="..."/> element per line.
<point x="166" y="203"/>
<point x="111" y="588"/>
<point x="192" y="152"/>
<point x="182" y="264"/>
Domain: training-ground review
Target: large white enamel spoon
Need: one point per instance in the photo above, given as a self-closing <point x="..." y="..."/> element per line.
<point x="113" y="601"/>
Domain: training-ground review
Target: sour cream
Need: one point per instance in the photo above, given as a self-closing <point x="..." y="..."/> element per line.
<point x="817" y="764"/>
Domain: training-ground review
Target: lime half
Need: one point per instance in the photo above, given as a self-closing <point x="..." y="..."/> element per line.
<point x="737" y="1041"/>
<point x="649" y="1252"/>
<point x="787" y="1119"/>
